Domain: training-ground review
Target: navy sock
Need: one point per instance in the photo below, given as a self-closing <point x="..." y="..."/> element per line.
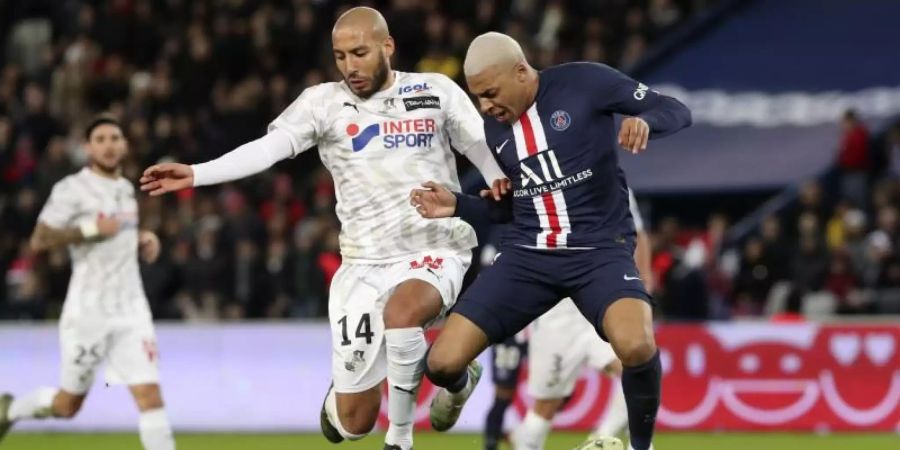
<point x="460" y="382"/>
<point x="493" y="426"/>
<point x="642" y="389"/>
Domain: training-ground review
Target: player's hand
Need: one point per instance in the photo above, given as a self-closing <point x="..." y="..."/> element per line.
<point x="167" y="177"/>
<point x="107" y="226"/>
<point x="433" y="201"/>
<point x="148" y="245"/>
<point x="498" y="189"/>
<point x="633" y="134"/>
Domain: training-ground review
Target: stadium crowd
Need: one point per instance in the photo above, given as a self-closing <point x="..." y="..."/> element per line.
<point x="194" y="79"/>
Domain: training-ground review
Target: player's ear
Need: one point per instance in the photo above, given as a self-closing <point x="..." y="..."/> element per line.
<point x="521" y="70"/>
<point x="388" y="47"/>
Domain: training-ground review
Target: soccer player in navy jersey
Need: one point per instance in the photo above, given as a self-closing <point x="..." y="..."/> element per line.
<point x="571" y="232"/>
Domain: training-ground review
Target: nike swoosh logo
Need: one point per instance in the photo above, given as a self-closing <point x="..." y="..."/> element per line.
<point x="499" y="148"/>
<point x="627" y="278"/>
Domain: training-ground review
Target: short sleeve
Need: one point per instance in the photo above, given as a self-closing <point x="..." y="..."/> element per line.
<point x="61" y="207"/>
<point x="299" y="120"/>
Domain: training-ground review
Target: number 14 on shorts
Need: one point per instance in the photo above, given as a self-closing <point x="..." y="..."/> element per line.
<point x="363" y="329"/>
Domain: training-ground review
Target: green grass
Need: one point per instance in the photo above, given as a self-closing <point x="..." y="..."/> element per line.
<point x="434" y="441"/>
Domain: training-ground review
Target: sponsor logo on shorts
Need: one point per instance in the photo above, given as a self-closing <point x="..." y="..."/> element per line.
<point x="359" y="358"/>
<point x="427" y="262"/>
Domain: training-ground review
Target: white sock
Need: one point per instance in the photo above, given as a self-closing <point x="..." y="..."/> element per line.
<point x="616" y="417"/>
<point x="331" y="411"/>
<point x="37" y="404"/>
<point x="406" y="347"/>
<point x="155" y="430"/>
<point x="532" y="433"/>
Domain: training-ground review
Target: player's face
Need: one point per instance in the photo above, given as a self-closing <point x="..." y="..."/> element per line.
<point x="363" y="61"/>
<point x="106" y="147"/>
<point x="501" y="93"/>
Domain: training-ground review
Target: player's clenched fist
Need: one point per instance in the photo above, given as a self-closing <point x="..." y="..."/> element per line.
<point x="633" y="134"/>
<point x="148" y="244"/>
<point x="167" y="177"/>
<point x="433" y="201"/>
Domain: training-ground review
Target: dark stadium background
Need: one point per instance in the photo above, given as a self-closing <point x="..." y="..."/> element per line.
<point x="752" y="215"/>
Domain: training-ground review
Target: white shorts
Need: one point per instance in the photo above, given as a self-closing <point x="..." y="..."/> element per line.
<point x="356" y="304"/>
<point x="562" y="343"/>
<point x="128" y="349"/>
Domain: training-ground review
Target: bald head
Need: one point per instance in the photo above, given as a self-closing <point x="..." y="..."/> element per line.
<point x="363" y="20"/>
<point x="492" y="49"/>
<point x="362" y="50"/>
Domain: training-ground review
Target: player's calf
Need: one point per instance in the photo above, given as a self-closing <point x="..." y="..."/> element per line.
<point x="628" y="325"/>
<point x="153" y="424"/>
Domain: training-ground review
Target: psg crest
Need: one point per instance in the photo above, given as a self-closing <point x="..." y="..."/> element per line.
<point x="560" y="120"/>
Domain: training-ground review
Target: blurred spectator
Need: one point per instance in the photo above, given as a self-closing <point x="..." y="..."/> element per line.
<point x="753" y="281"/>
<point x="853" y="159"/>
<point x="192" y="80"/>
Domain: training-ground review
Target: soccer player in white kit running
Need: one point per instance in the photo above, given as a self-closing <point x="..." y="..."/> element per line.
<point x="380" y="133"/>
<point x="105" y="317"/>
<point x="561" y="343"/>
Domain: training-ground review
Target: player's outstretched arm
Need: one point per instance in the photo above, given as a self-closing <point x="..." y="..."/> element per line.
<point x="46" y="237"/>
<point x="248" y="159"/>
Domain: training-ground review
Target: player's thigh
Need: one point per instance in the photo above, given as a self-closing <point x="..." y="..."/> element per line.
<point x="555" y="359"/>
<point x="426" y="286"/>
<point x="83" y="347"/>
<point x="133" y="354"/>
<point x="355" y="307"/>
<point x="607" y="276"/>
<point x="507" y="296"/>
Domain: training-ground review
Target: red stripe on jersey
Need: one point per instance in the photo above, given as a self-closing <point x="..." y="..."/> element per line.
<point x="530" y="144"/>
<point x="552" y="217"/>
<point x="549" y="204"/>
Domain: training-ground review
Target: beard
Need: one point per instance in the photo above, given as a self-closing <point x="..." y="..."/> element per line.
<point x="378" y="78"/>
<point x="105" y="168"/>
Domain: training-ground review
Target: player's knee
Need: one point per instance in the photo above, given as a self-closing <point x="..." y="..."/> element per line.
<point x="406" y="316"/>
<point x="636" y="350"/>
<point x="66" y="407"/>
<point x="443" y="370"/>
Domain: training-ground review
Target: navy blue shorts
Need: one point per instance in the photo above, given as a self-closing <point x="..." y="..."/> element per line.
<point x="524" y="283"/>
<point x="507" y="359"/>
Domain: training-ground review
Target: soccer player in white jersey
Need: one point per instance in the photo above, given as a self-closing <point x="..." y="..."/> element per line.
<point x="380" y="133"/>
<point x="106" y="317"/>
<point x="561" y="343"/>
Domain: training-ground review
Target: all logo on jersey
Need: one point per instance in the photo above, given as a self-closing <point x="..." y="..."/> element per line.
<point x="542" y="173"/>
<point x="414" y="88"/>
<point x="560" y="120"/>
<point x="416" y="133"/>
<point x="420" y="102"/>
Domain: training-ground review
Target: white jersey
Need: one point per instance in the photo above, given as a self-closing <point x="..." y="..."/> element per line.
<point x="106" y="279"/>
<point x="379" y="149"/>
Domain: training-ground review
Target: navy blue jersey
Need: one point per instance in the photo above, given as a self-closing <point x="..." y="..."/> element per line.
<point x="561" y="156"/>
